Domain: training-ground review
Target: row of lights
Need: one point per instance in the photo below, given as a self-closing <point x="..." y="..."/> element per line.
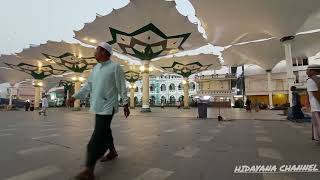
<point x="132" y="87"/>
<point x="90" y="40"/>
<point x="78" y="79"/>
<point x="143" y="69"/>
<point x="37" y="83"/>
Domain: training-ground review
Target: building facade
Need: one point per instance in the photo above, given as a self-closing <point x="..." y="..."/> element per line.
<point x="166" y="88"/>
<point x="257" y="88"/>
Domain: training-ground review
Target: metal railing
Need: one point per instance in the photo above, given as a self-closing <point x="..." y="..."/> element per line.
<point x="214" y="92"/>
<point x="216" y="76"/>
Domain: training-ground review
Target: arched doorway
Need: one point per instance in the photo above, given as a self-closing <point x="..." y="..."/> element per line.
<point x="163" y="87"/>
<point x="172" y="87"/>
<point x="152" y="88"/>
<point x="181" y="98"/>
<point x="152" y="100"/>
<point x="163" y="99"/>
<point x="172" y="100"/>
<point x="192" y="86"/>
<point x="136" y="101"/>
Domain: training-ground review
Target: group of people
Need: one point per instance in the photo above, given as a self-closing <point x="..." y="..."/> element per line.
<point x="44" y="105"/>
<point x="29" y="105"/>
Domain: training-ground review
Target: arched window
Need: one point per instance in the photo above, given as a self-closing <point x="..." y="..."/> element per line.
<point x="137" y="89"/>
<point x="163" y="87"/>
<point x="192" y="86"/>
<point x="181" y="98"/>
<point x="152" y="100"/>
<point x="152" y="87"/>
<point x="172" y="99"/>
<point x="136" y="100"/>
<point x="180" y="87"/>
<point x="172" y="87"/>
<point x="163" y="99"/>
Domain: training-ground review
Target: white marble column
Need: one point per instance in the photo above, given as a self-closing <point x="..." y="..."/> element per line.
<point x="132" y="89"/>
<point x="290" y="76"/>
<point x="10" y="96"/>
<point x="77" y="86"/>
<point x="186" y="93"/>
<point x="37" y="93"/>
<point x="270" y="88"/>
<point x="145" y="87"/>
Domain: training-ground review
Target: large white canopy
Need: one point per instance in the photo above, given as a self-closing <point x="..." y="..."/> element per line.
<point x="12" y="76"/>
<point x="144" y="29"/>
<point x="268" y="53"/>
<point x="72" y="56"/>
<point x="30" y="66"/>
<point x="229" y="22"/>
<point x="188" y="65"/>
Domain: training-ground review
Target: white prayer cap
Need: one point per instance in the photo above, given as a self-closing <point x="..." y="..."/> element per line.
<point x="106" y="46"/>
<point x="314" y="66"/>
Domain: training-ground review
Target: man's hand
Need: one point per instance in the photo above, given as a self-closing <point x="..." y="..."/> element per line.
<point x="126" y="110"/>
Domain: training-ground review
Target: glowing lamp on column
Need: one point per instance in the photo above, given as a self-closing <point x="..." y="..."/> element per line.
<point x="37" y="84"/>
<point x="142" y="68"/>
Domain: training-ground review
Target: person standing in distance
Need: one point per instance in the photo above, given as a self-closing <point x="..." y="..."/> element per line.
<point x="104" y="84"/>
<point x="44" y="105"/>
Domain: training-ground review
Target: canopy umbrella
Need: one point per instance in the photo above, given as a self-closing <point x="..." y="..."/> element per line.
<point x="71" y="56"/>
<point x="143" y="29"/>
<point x="228" y="22"/>
<point x="270" y="52"/>
<point x="34" y="68"/>
<point x="188" y="65"/>
<point x="12" y="76"/>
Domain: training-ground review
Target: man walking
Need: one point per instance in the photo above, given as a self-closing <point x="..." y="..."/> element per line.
<point x="104" y="84"/>
<point x="44" y="105"/>
<point x="313" y="84"/>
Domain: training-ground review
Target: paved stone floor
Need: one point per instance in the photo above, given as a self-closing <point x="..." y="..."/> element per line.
<point x="167" y="144"/>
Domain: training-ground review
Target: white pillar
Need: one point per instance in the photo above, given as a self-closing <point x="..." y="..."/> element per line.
<point x="270" y="88"/>
<point x="145" y="87"/>
<point x="232" y="100"/>
<point x="37" y="93"/>
<point x="290" y="76"/>
<point x="77" y="86"/>
<point x="10" y="96"/>
<point x="68" y="94"/>
<point x="186" y="93"/>
<point x="132" y="89"/>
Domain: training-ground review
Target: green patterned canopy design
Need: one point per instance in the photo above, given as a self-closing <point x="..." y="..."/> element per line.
<point x="147" y="42"/>
<point x="186" y="70"/>
<point x="46" y="70"/>
<point x="73" y="63"/>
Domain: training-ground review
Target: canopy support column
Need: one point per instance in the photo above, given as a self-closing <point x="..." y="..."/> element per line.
<point x="76" y="104"/>
<point x="290" y="77"/>
<point x="132" y="89"/>
<point x="186" y="93"/>
<point x="37" y="93"/>
<point x="270" y="89"/>
<point x="145" y="87"/>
